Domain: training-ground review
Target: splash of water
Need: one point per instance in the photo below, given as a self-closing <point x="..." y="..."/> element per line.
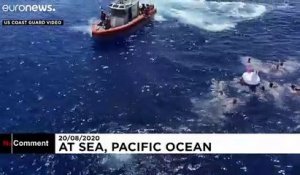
<point x="160" y="18"/>
<point x="85" y="28"/>
<point x="209" y="15"/>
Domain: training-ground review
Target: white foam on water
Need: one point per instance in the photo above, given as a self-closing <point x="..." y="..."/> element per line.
<point x="219" y="92"/>
<point x="82" y="28"/>
<point x="277" y="94"/>
<point x="159" y="18"/>
<point x="290" y="66"/>
<point x="122" y="157"/>
<point x="116" y="161"/>
<point x="284" y="5"/>
<point x="209" y="15"/>
<point x="218" y="88"/>
<point x="210" y="110"/>
<point x="85" y="28"/>
<point x="213" y="108"/>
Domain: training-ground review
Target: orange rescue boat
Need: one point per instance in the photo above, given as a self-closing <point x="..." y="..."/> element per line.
<point x="125" y="16"/>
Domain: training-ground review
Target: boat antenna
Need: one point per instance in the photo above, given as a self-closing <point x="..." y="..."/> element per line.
<point x="99" y="4"/>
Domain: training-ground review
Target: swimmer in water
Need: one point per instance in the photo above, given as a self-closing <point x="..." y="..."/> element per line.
<point x="281" y="63"/>
<point x="263" y="88"/>
<point x="295" y="88"/>
<point x="277" y="67"/>
<point x="249" y="60"/>
<point x="272" y="85"/>
<point x="234" y="101"/>
<point x="221" y="93"/>
<point x="242" y="82"/>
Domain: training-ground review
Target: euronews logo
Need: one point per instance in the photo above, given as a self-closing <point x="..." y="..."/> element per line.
<point x="28" y="8"/>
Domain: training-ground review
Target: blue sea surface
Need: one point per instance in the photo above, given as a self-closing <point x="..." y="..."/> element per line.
<point x="163" y="78"/>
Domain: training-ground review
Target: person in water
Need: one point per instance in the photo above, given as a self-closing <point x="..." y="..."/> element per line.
<point x="221" y="92"/>
<point x="281" y="63"/>
<point x="234" y="101"/>
<point x="272" y="85"/>
<point x="249" y="60"/>
<point x="295" y="88"/>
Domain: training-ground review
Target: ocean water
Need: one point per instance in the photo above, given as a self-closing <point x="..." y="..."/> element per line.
<point x="163" y="78"/>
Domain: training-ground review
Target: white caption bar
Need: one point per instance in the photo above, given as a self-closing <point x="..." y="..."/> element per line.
<point x="177" y="143"/>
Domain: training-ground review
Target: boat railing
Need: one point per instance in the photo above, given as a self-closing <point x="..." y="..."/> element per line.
<point x="125" y="2"/>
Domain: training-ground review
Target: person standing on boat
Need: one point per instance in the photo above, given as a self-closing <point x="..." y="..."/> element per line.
<point x="142" y="9"/>
<point x="102" y="16"/>
<point x="147" y="9"/>
<point x="107" y="23"/>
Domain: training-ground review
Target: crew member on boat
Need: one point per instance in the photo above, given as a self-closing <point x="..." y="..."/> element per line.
<point x="102" y="18"/>
<point x="107" y="23"/>
<point x="148" y="9"/>
<point x="142" y="9"/>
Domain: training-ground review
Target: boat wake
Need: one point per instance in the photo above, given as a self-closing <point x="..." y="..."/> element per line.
<point x="209" y="15"/>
